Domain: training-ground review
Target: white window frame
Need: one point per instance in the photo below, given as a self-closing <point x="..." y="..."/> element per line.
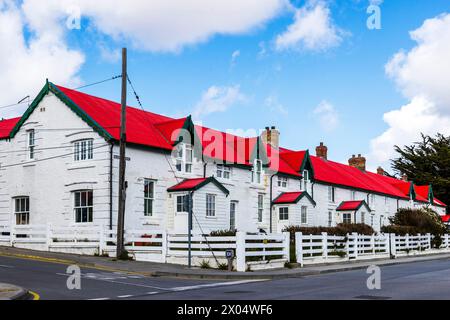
<point x="260" y="207"/>
<point x="371" y="199"/>
<point x="304" y="215"/>
<point x="182" y="204"/>
<point x="83" y="150"/>
<point x="257" y="172"/>
<point x="31" y="144"/>
<point x="86" y="206"/>
<point x="22" y="210"/>
<point x="182" y="162"/>
<point x="283" y="182"/>
<point x="305" y="180"/>
<point x="223" y="171"/>
<point x="233" y="211"/>
<point x="210" y="205"/>
<point x="149" y="197"/>
<point x="347" y="218"/>
<point x="363" y="217"/>
<point x="331" y="194"/>
<point x="283" y="214"/>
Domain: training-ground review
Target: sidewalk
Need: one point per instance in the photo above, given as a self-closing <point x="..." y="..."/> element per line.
<point x="171" y="270"/>
<point x="11" y="292"/>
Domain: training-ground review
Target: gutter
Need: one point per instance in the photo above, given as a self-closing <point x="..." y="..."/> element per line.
<point x="271" y="202"/>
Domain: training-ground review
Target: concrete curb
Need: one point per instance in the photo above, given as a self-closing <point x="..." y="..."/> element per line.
<point x="13" y="292"/>
<point x="299" y="274"/>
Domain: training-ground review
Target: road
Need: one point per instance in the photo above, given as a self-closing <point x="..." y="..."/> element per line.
<point x="419" y="280"/>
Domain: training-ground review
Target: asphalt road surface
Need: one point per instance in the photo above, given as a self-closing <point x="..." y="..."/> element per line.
<point x="420" y="280"/>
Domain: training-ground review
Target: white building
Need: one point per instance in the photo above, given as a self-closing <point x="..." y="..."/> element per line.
<point x="59" y="165"/>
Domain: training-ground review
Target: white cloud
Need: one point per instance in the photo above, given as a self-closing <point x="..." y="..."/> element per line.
<point x="236" y="54"/>
<point x="422" y="75"/>
<point x="313" y="29"/>
<point x="327" y="116"/>
<point x="218" y="99"/>
<point x="25" y="63"/>
<point x="272" y="103"/>
<point x="160" y="25"/>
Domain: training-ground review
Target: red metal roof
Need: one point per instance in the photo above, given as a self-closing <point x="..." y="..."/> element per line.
<point x="350" y="205"/>
<point x="445" y="218"/>
<point x="141" y="127"/>
<point x="288" y="197"/>
<point x="6" y="127"/>
<point x="187" y="185"/>
<point x="340" y="174"/>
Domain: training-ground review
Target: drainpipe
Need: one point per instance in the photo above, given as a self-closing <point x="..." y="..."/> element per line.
<point x="111" y="186"/>
<point x="271" y="202"/>
<point x="204" y="169"/>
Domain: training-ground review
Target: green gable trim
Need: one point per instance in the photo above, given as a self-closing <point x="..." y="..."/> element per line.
<point x="412" y="191"/>
<point x="49" y="87"/>
<point x="307" y="165"/>
<point x="431" y="194"/>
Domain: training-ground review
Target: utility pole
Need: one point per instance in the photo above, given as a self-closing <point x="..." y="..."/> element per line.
<point x="123" y="140"/>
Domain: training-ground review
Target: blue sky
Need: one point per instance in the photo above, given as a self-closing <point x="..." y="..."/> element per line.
<point x="273" y="87"/>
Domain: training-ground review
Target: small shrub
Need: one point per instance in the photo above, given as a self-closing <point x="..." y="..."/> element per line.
<point x="340" y="230"/>
<point x="436" y="242"/>
<point x="205" y="264"/>
<point x="223" y="233"/>
<point x="399" y="230"/>
<point x="222" y="266"/>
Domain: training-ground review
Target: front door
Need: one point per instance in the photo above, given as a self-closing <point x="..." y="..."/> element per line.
<point x="233" y="210"/>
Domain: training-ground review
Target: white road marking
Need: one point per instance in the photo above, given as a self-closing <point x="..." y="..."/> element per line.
<point x="213" y="285"/>
<point x="99" y="299"/>
<point x="125" y="296"/>
<point x="8" y="267"/>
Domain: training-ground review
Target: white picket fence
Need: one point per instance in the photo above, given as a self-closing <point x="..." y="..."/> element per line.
<point x="252" y="252"/>
<point x="324" y="248"/>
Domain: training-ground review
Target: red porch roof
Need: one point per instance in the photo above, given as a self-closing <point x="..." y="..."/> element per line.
<point x="6" y="127"/>
<point x="351" y="205"/>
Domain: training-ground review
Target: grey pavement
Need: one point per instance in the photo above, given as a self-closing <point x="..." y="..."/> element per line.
<point x="12" y="292"/>
<point x="415" y="280"/>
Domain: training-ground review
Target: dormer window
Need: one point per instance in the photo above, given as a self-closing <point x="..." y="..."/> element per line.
<point x="305" y="180"/>
<point x="257" y="172"/>
<point x="184" y="157"/>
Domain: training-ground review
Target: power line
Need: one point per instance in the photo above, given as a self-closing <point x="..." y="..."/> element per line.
<point x="134" y="91"/>
<point x="84" y="86"/>
<point x="46" y="159"/>
<point x="98" y="82"/>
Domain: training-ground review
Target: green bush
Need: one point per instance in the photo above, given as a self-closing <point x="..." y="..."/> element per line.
<point x="223" y="233"/>
<point x="420" y="221"/>
<point x="340" y="230"/>
<point x="399" y="230"/>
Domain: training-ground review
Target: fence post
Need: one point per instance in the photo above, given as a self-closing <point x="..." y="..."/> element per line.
<point x="429" y="241"/>
<point x="372" y="244"/>
<point x="287" y="245"/>
<point x="324" y="246"/>
<point x="48" y="236"/>
<point x="355" y="243"/>
<point x="393" y="245"/>
<point x="299" y="248"/>
<point x="446" y="240"/>
<point x="101" y="239"/>
<point x="240" y="252"/>
<point x="164" y="246"/>
<point x="11" y="235"/>
<point x="407" y="243"/>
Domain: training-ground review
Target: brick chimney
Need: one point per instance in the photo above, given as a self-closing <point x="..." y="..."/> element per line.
<point x="380" y="171"/>
<point x="405" y="177"/>
<point x="322" y="151"/>
<point x="271" y="136"/>
<point x="358" y="162"/>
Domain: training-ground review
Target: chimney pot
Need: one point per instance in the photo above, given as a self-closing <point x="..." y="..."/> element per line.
<point x="322" y="151"/>
<point x="380" y="171"/>
<point x="358" y="162"/>
<point x="271" y="136"/>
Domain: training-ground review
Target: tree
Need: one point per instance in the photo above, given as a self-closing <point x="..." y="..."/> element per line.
<point x="427" y="162"/>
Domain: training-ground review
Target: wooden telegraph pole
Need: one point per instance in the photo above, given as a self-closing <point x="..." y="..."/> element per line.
<point x="123" y="139"/>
